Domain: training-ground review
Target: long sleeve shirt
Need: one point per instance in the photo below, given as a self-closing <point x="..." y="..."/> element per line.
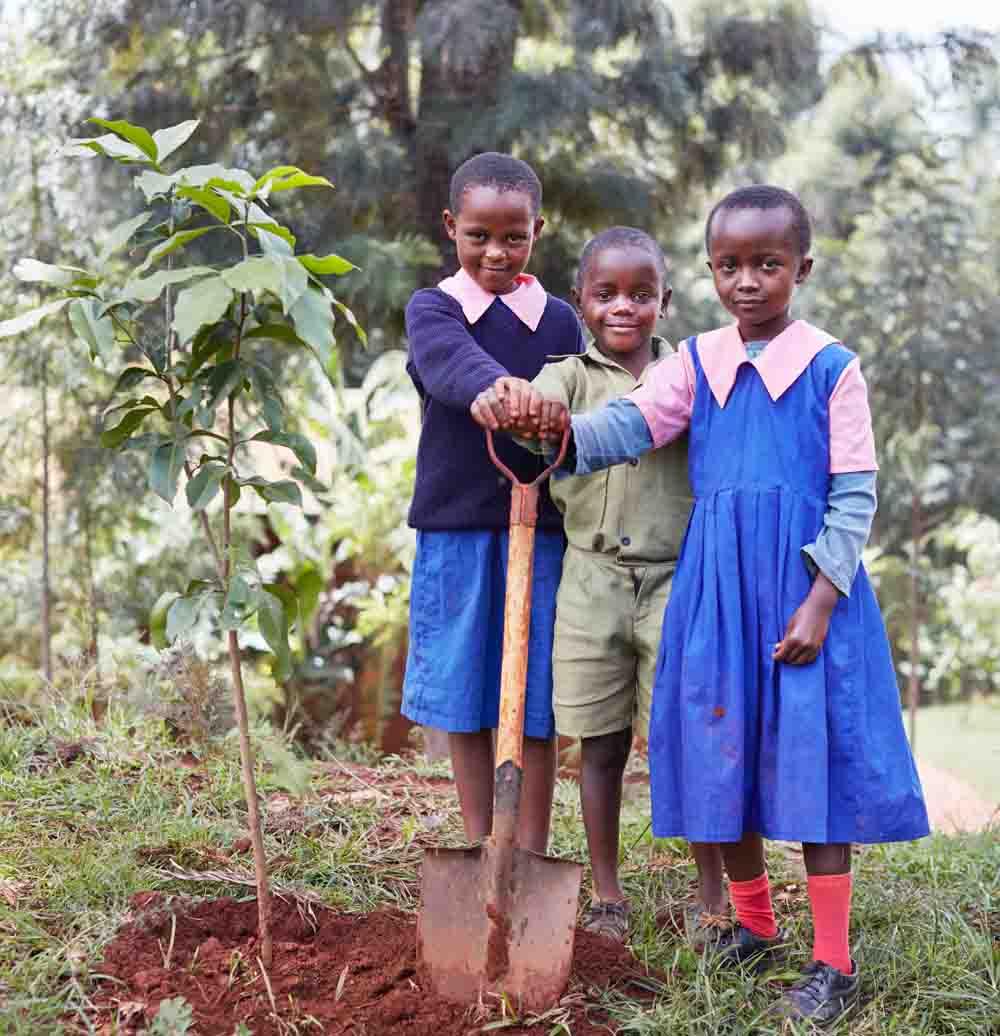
<point x="460" y="341"/>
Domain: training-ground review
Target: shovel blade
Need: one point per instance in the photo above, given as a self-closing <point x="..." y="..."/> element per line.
<point x="453" y="929"/>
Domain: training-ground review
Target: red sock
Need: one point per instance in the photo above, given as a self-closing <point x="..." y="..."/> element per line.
<point x="752" y="902"/>
<point x="830" y="896"/>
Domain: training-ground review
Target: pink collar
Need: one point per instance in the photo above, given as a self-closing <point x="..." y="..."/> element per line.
<point x="527" y="301"/>
<point x="722" y="353"/>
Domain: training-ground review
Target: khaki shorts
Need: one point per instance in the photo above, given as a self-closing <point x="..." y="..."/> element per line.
<point x="608" y="622"/>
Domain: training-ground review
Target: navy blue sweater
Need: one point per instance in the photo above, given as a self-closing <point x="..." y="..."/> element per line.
<point x="451" y="362"/>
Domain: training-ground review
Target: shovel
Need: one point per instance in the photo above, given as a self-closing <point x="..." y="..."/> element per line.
<point x="496" y="919"/>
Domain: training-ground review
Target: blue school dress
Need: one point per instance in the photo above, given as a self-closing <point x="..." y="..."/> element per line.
<point x="739" y="743"/>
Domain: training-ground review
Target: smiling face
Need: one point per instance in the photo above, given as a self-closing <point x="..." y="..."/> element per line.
<point x="494" y="232"/>
<point x="756" y="263"/>
<point x="620" y="297"/>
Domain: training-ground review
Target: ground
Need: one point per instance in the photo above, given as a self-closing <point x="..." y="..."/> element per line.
<point x="115" y="837"/>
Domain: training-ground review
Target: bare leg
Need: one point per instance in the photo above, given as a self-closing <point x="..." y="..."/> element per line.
<point x="827" y="859"/>
<point x="540" y="758"/>
<point x="472" y="764"/>
<point x="602" y="765"/>
<point x="744" y="859"/>
<point x="711" y="891"/>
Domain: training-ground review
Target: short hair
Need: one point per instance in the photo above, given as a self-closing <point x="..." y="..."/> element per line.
<point x="620" y="237"/>
<point x="765" y="196"/>
<point x="498" y="170"/>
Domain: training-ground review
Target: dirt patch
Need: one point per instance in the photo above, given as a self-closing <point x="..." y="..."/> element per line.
<point x="953" y="804"/>
<point x="331" y="973"/>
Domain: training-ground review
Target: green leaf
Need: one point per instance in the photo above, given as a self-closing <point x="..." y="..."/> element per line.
<point x="240" y="603"/>
<point x="309" y="584"/>
<point x="284" y="491"/>
<point x="154" y="184"/>
<point x="97" y="332"/>
<point x="32" y="271"/>
<point x="353" y="321"/>
<point x="201" y="489"/>
<point x="148" y="289"/>
<point x="127" y="131"/>
<point x="132" y="376"/>
<point x="109" y="145"/>
<point x="205" y="345"/>
<point x="274" y="238"/>
<point x="111" y="438"/>
<point x="175" y="241"/>
<point x="273" y="624"/>
<point x="209" y="200"/>
<point x="164" y="468"/>
<point x="313" y="319"/>
<point x="182" y="615"/>
<point x="326" y="264"/>
<point x="121" y="234"/>
<point x="287" y="178"/>
<point x="258" y="274"/>
<point x="32" y="318"/>
<point x="169" y="139"/>
<point x="313" y="484"/>
<point x="266" y="391"/>
<point x="222" y="380"/>
<point x="298" y="444"/>
<point x="215" y="175"/>
<point x="202" y="303"/>
<point x="275" y="332"/>
<point x="158" y="618"/>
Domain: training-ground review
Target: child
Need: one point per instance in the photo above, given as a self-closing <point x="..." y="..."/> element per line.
<point x="624" y="530"/>
<point x="489" y="320"/>
<point x="774" y="665"/>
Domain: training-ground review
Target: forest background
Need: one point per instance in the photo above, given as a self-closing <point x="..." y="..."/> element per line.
<point x="633" y="111"/>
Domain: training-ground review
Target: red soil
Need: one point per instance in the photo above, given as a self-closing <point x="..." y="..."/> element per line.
<point x="352" y="973"/>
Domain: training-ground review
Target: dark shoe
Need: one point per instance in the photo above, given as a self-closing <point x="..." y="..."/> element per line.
<point x="608" y="918"/>
<point x="703" y="929"/>
<point x="741" y="946"/>
<point x="823" y="994"/>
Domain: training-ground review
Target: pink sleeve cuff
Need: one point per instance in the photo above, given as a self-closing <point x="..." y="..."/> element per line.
<point x="852" y="443"/>
<point x="666" y="397"/>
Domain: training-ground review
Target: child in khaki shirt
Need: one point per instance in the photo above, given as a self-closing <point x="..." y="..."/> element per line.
<point x="624" y="526"/>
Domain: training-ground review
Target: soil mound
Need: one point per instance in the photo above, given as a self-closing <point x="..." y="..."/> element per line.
<point x="331" y="973"/>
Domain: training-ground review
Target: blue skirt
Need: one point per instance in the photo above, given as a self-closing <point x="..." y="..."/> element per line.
<point x="456" y="630"/>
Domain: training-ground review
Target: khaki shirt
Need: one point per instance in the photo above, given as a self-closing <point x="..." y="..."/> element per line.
<point x="636" y="512"/>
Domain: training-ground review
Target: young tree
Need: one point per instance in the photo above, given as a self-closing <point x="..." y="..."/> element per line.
<point x="198" y="396"/>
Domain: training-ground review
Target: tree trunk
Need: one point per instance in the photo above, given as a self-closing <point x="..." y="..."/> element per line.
<point x="461" y="88"/>
<point x="913" y="684"/>
<point x="91" y="589"/>
<point x="46" y="631"/>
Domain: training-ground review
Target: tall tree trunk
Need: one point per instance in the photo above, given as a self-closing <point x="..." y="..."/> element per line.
<point x="46" y="632"/>
<point x="91" y="587"/>
<point x="913" y="684"/>
<point x="461" y="89"/>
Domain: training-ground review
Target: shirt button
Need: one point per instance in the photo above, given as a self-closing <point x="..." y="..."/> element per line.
<point x="634" y="461"/>
<point x="625" y="541"/>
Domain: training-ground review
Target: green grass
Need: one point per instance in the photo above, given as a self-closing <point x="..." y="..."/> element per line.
<point x="964" y="739"/>
<point x="78" y="840"/>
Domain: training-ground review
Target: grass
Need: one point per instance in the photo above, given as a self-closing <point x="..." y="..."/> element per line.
<point x="80" y="838"/>
<point x="963" y="739"/>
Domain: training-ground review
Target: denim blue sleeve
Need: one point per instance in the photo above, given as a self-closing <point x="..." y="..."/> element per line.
<point x="607" y="436"/>
<point x="850" y="508"/>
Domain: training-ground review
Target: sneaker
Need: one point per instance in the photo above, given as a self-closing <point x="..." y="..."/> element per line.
<point x="741" y="946"/>
<point x="608" y="918"/>
<point x="823" y="994"/>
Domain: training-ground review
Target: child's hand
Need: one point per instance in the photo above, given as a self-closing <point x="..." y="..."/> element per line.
<point x="499" y="406"/>
<point x="807" y="628"/>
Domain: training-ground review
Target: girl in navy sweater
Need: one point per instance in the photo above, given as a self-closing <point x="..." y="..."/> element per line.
<point x="489" y="320"/>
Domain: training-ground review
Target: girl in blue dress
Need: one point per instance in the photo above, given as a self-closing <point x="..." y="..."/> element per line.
<point x="775" y="710"/>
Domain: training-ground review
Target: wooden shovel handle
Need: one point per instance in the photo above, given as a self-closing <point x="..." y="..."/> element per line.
<point x="514" y="480"/>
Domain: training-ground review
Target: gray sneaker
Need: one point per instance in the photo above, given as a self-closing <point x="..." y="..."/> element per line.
<point x="823" y="994"/>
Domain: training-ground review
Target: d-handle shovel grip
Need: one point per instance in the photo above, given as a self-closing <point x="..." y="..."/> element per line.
<point x="514" y="480"/>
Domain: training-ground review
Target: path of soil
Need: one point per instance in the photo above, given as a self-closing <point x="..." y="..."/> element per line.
<point x="953" y="804"/>
<point x="331" y="973"/>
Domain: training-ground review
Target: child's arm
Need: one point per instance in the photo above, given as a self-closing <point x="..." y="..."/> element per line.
<point x="452" y="367"/>
<point x="835" y="554"/>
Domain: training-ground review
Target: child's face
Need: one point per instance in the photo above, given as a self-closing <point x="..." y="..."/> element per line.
<point x="620" y="298"/>
<point x="494" y="232"/>
<point x="756" y="263"/>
